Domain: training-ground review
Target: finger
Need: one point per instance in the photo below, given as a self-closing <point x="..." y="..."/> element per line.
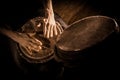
<point x="45" y="27"/>
<point x="39" y="25"/>
<point x="59" y="30"/>
<point x="58" y="23"/>
<point x="40" y="47"/>
<point x="59" y="27"/>
<point x="51" y="31"/>
<point x="45" y="30"/>
<point x="45" y="20"/>
<point x="38" y="41"/>
<point x="28" y="50"/>
<point x="48" y="30"/>
<point x="55" y="30"/>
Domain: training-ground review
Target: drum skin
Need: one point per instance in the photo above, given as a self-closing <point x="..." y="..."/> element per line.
<point x="84" y="40"/>
<point x="44" y="65"/>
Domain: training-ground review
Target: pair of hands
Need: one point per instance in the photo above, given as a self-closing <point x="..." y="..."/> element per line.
<point x="51" y="28"/>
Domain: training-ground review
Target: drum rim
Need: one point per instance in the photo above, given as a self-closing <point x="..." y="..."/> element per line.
<point x="116" y="28"/>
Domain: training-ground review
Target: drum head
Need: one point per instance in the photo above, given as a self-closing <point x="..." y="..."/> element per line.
<point x="83" y="34"/>
<point x="34" y="27"/>
<point x="46" y="53"/>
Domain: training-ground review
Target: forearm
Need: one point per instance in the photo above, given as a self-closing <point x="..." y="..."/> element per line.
<point x="51" y="28"/>
<point x="48" y="8"/>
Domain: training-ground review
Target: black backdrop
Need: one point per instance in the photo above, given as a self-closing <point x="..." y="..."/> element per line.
<point x="16" y="13"/>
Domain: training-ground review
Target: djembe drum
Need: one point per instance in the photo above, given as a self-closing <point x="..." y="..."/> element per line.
<point x="33" y="62"/>
<point x="84" y="40"/>
<point x="85" y="47"/>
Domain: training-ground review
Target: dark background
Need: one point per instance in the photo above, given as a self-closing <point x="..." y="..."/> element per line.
<point x="16" y="13"/>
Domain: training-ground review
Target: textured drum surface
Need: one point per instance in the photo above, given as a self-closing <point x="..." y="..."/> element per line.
<point x="46" y="53"/>
<point x="81" y="35"/>
<point x="85" y="33"/>
<point x="43" y="52"/>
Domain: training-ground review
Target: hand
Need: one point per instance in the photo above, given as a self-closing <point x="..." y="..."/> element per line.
<point x="26" y="40"/>
<point x="51" y="27"/>
<point x="32" y="44"/>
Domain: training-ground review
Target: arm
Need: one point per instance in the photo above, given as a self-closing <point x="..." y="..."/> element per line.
<point x="51" y="27"/>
